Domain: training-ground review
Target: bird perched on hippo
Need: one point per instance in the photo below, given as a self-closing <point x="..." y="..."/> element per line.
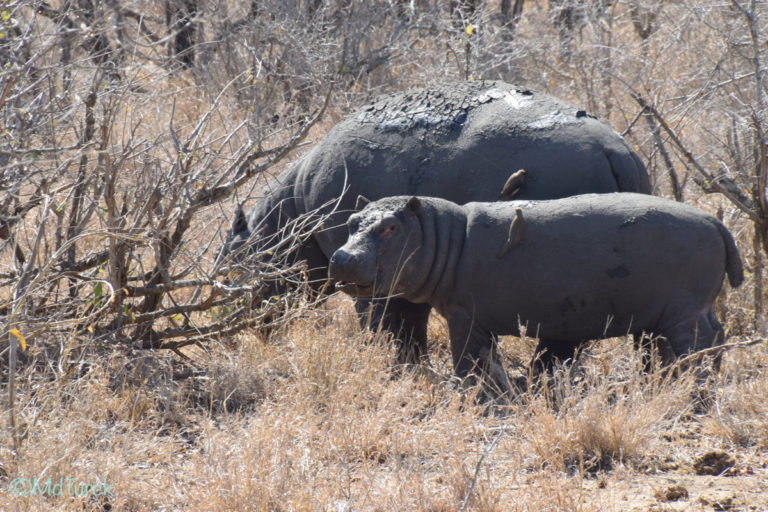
<point x="589" y="267"/>
<point x="456" y="141"/>
<point x="513" y="184"/>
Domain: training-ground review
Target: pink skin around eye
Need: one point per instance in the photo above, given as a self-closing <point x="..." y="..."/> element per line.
<point x="388" y="232"/>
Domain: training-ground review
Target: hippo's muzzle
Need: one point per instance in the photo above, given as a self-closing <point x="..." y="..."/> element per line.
<point x="345" y="271"/>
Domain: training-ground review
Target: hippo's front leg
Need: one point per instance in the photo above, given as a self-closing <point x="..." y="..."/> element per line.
<point x="474" y="352"/>
<point x="405" y="320"/>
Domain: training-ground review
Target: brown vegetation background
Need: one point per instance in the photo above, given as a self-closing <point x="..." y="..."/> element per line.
<point x="131" y="131"/>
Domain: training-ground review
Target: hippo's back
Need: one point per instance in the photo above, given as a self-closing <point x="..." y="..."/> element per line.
<point x="462" y="142"/>
<point x="580" y="255"/>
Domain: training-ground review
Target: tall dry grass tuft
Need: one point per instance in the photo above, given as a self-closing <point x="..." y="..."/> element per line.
<point x="739" y="415"/>
<point x="601" y="412"/>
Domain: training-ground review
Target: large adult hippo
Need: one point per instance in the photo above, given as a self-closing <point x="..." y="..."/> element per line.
<point x="459" y="142"/>
<point x="586" y="267"/>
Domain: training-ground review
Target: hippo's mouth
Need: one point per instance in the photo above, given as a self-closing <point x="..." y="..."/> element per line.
<point x="354" y="289"/>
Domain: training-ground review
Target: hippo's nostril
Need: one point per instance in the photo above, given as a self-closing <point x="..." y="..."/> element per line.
<point x="340" y="263"/>
<point x="340" y="258"/>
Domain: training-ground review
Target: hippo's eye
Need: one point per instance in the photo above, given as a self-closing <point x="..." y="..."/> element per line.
<point x="387" y="231"/>
<point x="352" y="225"/>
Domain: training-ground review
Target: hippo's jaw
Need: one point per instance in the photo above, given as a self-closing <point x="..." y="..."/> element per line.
<point x="351" y="273"/>
<point x="355" y="289"/>
<point x="362" y="284"/>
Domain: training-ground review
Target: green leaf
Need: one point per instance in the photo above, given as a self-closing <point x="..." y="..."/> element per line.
<point x="98" y="291"/>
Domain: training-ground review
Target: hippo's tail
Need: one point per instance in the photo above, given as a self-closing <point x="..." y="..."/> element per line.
<point x="240" y="223"/>
<point x="236" y="236"/>
<point x="733" y="266"/>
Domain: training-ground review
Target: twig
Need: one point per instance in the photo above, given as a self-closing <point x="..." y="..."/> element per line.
<point x="223" y="332"/>
<point x="35" y="151"/>
<point x="19" y="296"/>
<point x="50" y="324"/>
<point x="676" y="189"/>
<point x="177" y="310"/>
<point x="49" y="263"/>
<point x="5" y="91"/>
<point x="485" y="453"/>
<point x="628" y="129"/>
<point x="731" y="192"/>
<point x="244" y="170"/>
<point x="698" y="355"/>
<point x="12" y="389"/>
<point x="133" y="291"/>
<point x="139" y="18"/>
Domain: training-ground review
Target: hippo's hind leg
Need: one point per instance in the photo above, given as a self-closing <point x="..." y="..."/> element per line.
<point x="700" y="332"/>
<point x="645" y="345"/>
<point x="405" y="320"/>
<point x="719" y="337"/>
<point x="696" y="333"/>
<point x="549" y="352"/>
<point x="653" y="348"/>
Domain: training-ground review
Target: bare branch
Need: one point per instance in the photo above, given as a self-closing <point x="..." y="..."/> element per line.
<point x="731" y="191"/>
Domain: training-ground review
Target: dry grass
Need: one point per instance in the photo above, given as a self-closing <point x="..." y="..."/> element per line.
<point x="315" y="420"/>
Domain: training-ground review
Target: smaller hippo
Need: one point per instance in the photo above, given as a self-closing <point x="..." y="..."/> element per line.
<point x="588" y="267"/>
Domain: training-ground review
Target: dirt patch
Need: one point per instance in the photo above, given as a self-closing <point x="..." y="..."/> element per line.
<point x="715" y="462"/>
<point x="672" y="493"/>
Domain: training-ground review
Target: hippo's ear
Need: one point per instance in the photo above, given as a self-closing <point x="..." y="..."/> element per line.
<point x="413" y="205"/>
<point x="361" y="202"/>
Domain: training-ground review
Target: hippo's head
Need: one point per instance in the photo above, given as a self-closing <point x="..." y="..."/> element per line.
<point x="384" y="237"/>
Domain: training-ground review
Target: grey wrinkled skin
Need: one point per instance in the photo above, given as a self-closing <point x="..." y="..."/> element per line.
<point x="460" y="142"/>
<point x="589" y="267"/>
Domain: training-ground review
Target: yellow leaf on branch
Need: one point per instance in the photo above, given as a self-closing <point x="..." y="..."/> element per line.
<point x="22" y="341"/>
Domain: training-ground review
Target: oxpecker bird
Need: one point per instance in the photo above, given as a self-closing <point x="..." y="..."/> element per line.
<point x="516" y="233"/>
<point x="513" y="184"/>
